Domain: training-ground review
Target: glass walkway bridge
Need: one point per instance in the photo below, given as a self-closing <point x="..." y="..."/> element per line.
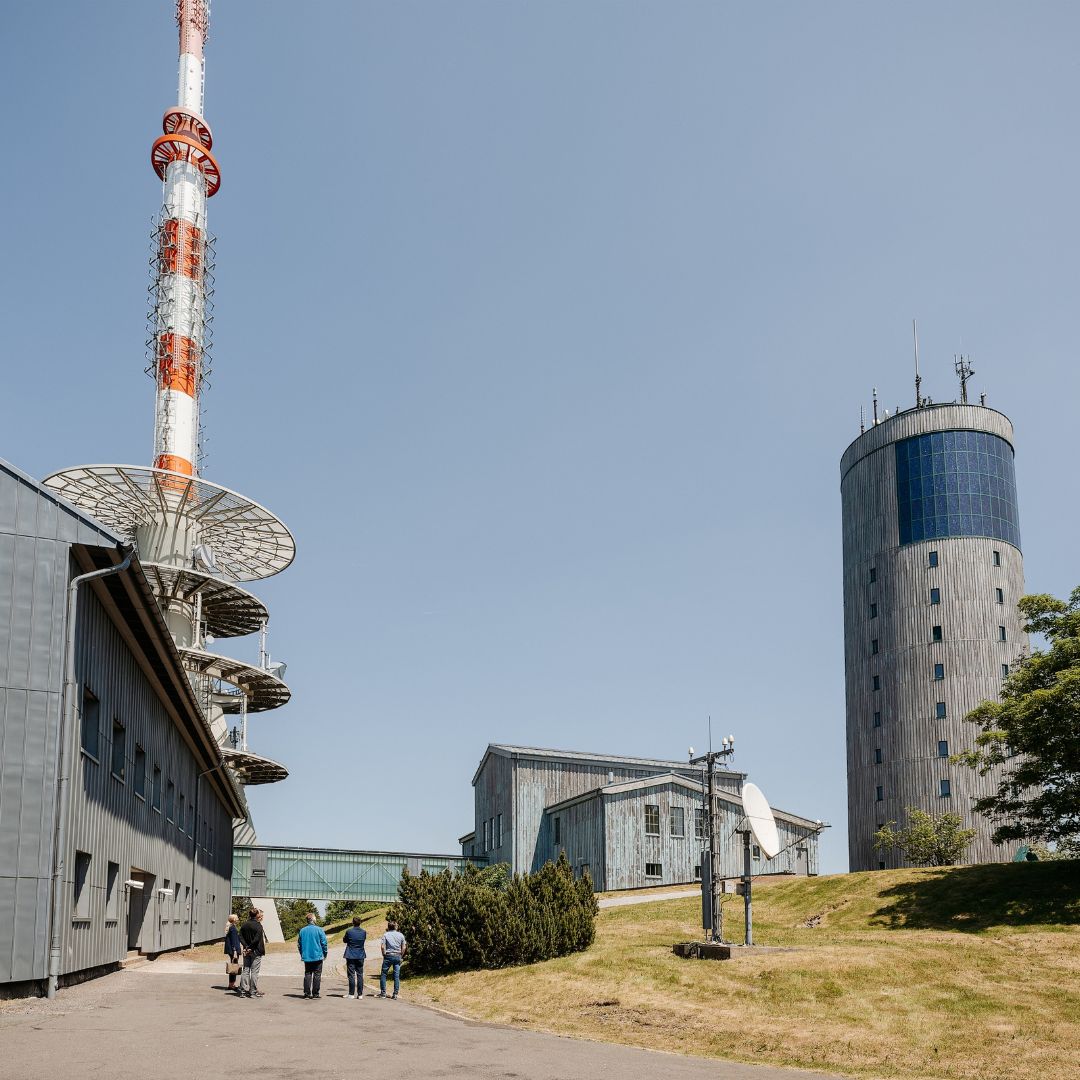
<point x="295" y="873"/>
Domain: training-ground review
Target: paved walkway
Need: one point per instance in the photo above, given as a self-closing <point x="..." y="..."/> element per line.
<point x="646" y="898"/>
<point x="142" y="1022"/>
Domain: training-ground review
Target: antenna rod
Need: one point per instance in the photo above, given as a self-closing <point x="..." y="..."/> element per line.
<point x="862" y="419"/>
<point x="875" y="406"/>
<point x="918" y="377"/>
<point x="964" y="371"/>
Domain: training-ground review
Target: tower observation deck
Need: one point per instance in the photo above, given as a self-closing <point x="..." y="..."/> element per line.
<point x="196" y="540"/>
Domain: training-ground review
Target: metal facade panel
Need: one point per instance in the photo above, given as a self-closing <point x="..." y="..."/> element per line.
<point x="113" y="824"/>
<point x="909" y="729"/>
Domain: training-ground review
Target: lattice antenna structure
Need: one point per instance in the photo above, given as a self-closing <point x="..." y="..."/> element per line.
<point x="964" y="371"/>
<point x="197" y="541"/>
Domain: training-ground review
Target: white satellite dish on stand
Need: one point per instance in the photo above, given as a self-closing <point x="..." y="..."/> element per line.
<point x="760" y="817"/>
<point x="760" y="824"/>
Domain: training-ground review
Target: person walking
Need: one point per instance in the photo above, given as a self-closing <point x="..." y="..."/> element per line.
<point x="312" y="945"/>
<point x="355" y="951"/>
<point x="234" y="947"/>
<point x="394" y="947"/>
<point x="253" y="938"/>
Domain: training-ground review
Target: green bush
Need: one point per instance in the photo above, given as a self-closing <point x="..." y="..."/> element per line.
<point x="488" y="919"/>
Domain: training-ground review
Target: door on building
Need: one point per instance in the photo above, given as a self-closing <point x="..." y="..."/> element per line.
<point x="138" y="903"/>
<point x="802" y="861"/>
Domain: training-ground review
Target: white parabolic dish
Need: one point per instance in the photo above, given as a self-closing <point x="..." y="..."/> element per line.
<point x="762" y="824"/>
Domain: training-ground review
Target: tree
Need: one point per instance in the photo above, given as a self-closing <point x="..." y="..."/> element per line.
<point x="241" y="905"/>
<point x="1031" y="737"/>
<point x="293" y="915"/>
<point x="342" y="911"/>
<point x="927" y="840"/>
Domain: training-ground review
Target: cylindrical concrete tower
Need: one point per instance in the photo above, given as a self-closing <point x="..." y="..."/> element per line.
<point x="932" y="574"/>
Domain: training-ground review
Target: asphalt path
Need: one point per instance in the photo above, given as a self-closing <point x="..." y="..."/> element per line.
<point x="146" y="1022"/>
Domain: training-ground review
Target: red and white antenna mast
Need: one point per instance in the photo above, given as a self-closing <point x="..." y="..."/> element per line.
<point x="182" y="156"/>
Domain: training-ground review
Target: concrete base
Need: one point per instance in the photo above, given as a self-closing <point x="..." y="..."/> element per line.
<point x="271" y="922"/>
<point x="715" y="950"/>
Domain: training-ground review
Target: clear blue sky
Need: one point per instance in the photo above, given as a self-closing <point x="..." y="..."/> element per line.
<point x="544" y="325"/>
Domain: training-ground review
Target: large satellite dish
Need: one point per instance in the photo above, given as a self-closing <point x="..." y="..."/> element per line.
<point x="762" y="824"/>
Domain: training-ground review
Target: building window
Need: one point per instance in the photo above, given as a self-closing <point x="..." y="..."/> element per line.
<point x="939" y="671"/>
<point x="873" y="611"/>
<point x="676" y="821"/>
<point x="697" y="873"/>
<point x="874" y="647"/>
<point x="487" y="834"/>
<point x="180" y="817"/>
<point x="945" y="787"/>
<point x="877" y="682"/>
<point x="558" y="830"/>
<point x="873" y="574"/>
<point x="881" y="866"/>
<point x="699" y="823"/>
<point x="935" y="596"/>
<point x="939" y="710"/>
<point x="1000" y="594"/>
<point x="191" y="819"/>
<point x="119" y="749"/>
<point x="654" y="869"/>
<point x="155" y="791"/>
<point x="997" y="558"/>
<point x="880" y="794"/>
<point x="91" y="724"/>
<point x="170" y="800"/>
<point x="652" y="820"/>
<point x="1004" y="671"/>
<point x="140" y="771"/>
<point x="877" y="719"/>
<point x="935" y="633"/>
<point x="498" y="830"/>
<point x="943" y="748"/>
<point x="932" y="558"/>
<point x="877" y="756"/>
<point x="112" y="893"/>
<point x="1002" y="635"/>
<point x="756" y="852"/>
<point x="81" y="910"/>
<point x="956" y="483"/>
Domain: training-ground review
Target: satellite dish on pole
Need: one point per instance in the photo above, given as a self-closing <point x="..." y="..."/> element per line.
<point x="760" y="817"/>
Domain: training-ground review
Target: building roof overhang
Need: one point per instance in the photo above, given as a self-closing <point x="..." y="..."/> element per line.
<point x="582" y="757"/>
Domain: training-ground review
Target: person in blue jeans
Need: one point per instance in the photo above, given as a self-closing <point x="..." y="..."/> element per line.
<point x="394" y="948"/>
<point x="355" y="951"/>
<point x="312" y="946"/>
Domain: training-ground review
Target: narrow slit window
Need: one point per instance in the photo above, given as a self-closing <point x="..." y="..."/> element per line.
<point x="877" y="755"/>
<point x="91" y="724"/>
<point x="932" y="558"/>
<point x="874" y="647"/>
<point x="939" y="710"/>
<point x="880" y="797"/>
<point x="935" y="633"/>
<point x="1002" y="635"/>
<point x="1000" y="594"/>
<point x="945" y="787"/>
<point x="939" y="672"/>
<point x="877" y="682"/>
<point x="997" y="558"/>
<point x="877" y="718"/>
<point x="140" y="771"/>
<point x="935" y="596"/>
<point x="119" y="749"/>
<point x="873" y="611"/>
<point x="81" y="909"/>
<point x="873" y="574"/>
<point x="943" y="748"/>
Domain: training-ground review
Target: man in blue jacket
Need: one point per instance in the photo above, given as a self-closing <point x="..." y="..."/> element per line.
<point x="311" y="943"/>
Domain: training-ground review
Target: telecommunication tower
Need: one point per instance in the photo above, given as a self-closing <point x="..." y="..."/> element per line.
<point x="196" y="540"/>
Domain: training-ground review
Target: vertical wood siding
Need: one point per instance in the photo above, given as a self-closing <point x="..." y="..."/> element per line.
<point x="911" y="770"/>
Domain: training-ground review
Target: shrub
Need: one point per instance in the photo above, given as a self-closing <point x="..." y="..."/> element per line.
<point x="488" y="919"/>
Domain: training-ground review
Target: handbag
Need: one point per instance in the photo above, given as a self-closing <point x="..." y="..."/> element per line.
<point x="232" y="968"/>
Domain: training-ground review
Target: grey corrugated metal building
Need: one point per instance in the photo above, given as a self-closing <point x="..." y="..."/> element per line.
<point x="629" y="821"/>
<point x="932" y="574"/>
<point x="148" y="857"/>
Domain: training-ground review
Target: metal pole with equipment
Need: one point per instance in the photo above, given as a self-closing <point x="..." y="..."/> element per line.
<point x="712" y="915"/>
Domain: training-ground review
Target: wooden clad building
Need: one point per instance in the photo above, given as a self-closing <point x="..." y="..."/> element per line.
<point x="630" y="822"/>
<point x="146" y="857"/>
<point x="932" y="575"/>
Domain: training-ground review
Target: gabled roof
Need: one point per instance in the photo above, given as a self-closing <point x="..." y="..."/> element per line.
<point x="674" y="780"/>
<point x="511" y="751"/>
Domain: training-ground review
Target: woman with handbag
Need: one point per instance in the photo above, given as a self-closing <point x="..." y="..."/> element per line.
<point x="233" y="948"/>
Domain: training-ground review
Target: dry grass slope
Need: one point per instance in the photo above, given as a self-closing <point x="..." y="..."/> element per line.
<point x="966" y="973"/>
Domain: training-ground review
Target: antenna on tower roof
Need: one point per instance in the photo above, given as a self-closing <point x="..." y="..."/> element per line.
<point x="862" y="419"/>
<point x="875" y="406"/>
<point x="918" y="377"/>
<point x="964" y="371"/>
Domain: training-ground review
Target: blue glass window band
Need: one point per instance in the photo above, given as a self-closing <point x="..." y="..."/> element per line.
<point x="956" y="483"/>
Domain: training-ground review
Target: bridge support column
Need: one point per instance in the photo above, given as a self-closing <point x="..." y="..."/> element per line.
<point x="271" y="922"/>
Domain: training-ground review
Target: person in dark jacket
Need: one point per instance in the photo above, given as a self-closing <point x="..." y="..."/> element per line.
<point x="254" y="940"/>
<point x="233" y="947"/>
<point x="355" y="951"/>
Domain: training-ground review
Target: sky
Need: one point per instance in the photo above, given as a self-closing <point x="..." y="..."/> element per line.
<point x="543" y="326"/>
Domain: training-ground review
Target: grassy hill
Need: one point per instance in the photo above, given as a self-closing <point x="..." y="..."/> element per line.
<point x="966" y="972"/>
